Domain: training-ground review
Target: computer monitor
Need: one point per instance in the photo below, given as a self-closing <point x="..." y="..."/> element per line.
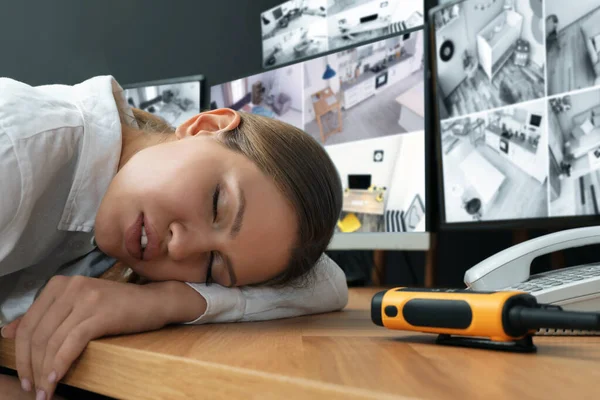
<point x="175" y="99"/>
<point x="300" y="29"/>
<point x="365" y="105"/>
<point x="518" y="112"/>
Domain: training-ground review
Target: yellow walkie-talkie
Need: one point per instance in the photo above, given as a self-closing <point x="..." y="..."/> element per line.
<point x="504" y="320"/>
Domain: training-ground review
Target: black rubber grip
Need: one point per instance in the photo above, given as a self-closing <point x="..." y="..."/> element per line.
<point x="454" y="314"/>
<point x="376" y="303"/>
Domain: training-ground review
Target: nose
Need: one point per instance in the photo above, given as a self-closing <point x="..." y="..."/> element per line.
<point x="188" y="243"/>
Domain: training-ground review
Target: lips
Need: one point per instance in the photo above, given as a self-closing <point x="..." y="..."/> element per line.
<point x="132" y="238"/>
<point x="152" y="248"/>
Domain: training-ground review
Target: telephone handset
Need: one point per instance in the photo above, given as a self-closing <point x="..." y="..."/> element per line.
<point x="574" y="288"/>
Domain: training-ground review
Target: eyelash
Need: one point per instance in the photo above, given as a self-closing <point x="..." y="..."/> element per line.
<point x="212" y="253"/>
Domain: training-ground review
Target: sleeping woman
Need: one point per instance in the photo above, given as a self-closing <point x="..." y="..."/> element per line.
<point x="227" y="218"/>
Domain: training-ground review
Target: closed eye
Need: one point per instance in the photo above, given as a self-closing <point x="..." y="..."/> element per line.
<point x="215" y="215"/>
<point x="216" y="202"/>
<point x="209" y="268"/>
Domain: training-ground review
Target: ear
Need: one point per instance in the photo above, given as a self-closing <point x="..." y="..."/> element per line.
<point x="209" y="123"/>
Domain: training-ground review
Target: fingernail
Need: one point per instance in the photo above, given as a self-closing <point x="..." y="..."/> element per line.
<point x="41" y="395"/>
<point x="2" y="332"/>
<point x="52" y="377"/>
<point x="26" y="385"/>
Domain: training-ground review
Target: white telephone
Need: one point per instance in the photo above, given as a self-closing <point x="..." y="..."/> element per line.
<point x="574" y="288"/>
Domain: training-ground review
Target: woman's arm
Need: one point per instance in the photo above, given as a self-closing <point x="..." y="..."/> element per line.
<point x="326" y="292"/>
<point x="73" y="310"/>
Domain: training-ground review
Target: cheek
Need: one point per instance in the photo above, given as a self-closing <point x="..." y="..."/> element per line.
<point x="159" y="175"/>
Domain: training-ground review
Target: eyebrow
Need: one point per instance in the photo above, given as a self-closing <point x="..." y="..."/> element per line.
<point x="235" y="230"/>
<point x="239" y="216"/>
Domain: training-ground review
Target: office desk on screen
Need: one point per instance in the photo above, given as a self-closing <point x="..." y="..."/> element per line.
<point x="363" y="201"/>
<point x="340" y="355"/>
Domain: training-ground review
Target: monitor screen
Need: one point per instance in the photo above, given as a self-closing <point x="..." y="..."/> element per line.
<point x="365" y="105"/>
<point x="518" y="97"/>
<point x="301" y="29"/>
<point x="175" y="100"/>
<point x="359" y="181"/>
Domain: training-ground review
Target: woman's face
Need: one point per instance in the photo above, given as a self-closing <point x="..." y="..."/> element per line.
<point x="201" y="204"/>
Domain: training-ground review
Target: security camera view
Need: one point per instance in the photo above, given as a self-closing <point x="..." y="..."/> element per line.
<point x="365" y="106"/>
<point x="175" y="103"/>
<point x="520" y="108"/>
<point x="300" y="29"/>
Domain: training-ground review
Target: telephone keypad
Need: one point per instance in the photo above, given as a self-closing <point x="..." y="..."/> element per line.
<point x="556" y="278"/>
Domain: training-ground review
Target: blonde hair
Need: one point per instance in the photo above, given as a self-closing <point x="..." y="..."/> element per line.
<point x="300" y="168"/>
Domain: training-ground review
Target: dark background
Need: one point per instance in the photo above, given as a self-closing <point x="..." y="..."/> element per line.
<point x="68" y="41"/>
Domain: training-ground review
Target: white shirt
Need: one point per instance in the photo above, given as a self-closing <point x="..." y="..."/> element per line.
<point x="59" y="150"/>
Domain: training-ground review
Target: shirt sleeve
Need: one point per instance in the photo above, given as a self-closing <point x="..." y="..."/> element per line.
<point x="10" y="196"/>
<point x="327" y="292"/>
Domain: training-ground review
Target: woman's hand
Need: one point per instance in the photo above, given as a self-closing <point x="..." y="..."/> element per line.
<point x="71" y="311"/>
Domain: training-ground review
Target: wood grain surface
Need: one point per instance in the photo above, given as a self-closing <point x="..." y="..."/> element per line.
<point x="335" y="355"/>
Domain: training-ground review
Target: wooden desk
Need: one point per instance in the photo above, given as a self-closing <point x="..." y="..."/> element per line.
<point x="326" y="102"/>
<point x="363" y="201"/>
<point x="340" y="355"/>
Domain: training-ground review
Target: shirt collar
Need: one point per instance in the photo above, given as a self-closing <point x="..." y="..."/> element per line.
<point x="100" y="101"/>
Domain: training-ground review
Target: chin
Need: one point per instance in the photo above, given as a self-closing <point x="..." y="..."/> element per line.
<point x="108" y="248"/>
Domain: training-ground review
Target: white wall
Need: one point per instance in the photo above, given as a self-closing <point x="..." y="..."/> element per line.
<point x="569" y="11"/>
<point x="315" y="3"/>
<point x="538" y="51"/>
<point x="290" y="81"/>
<point x="287" y="80"/>
<point x="357" y="158"/>
<point x="408" y="177"/>
<point x="313" y="82"/>
<point x="402" y="9"/>
<point x="216" y="95"/>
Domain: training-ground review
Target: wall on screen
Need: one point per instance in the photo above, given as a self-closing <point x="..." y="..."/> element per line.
<point x="569" y="12"/>
<point x="290" y="82"/>
<point x="216" y="95"/>
<point x="286" y="80"/>
<point x="357" y="158"/>
<point x="313" y="82"/>
<point x="408" y="177"/>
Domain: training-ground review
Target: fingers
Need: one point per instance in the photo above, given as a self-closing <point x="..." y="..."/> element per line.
<point x="25" y="331"/>
<point x="10" y="330"/>
<point x="55" y="317"/>
<point x="68" y="342"/>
